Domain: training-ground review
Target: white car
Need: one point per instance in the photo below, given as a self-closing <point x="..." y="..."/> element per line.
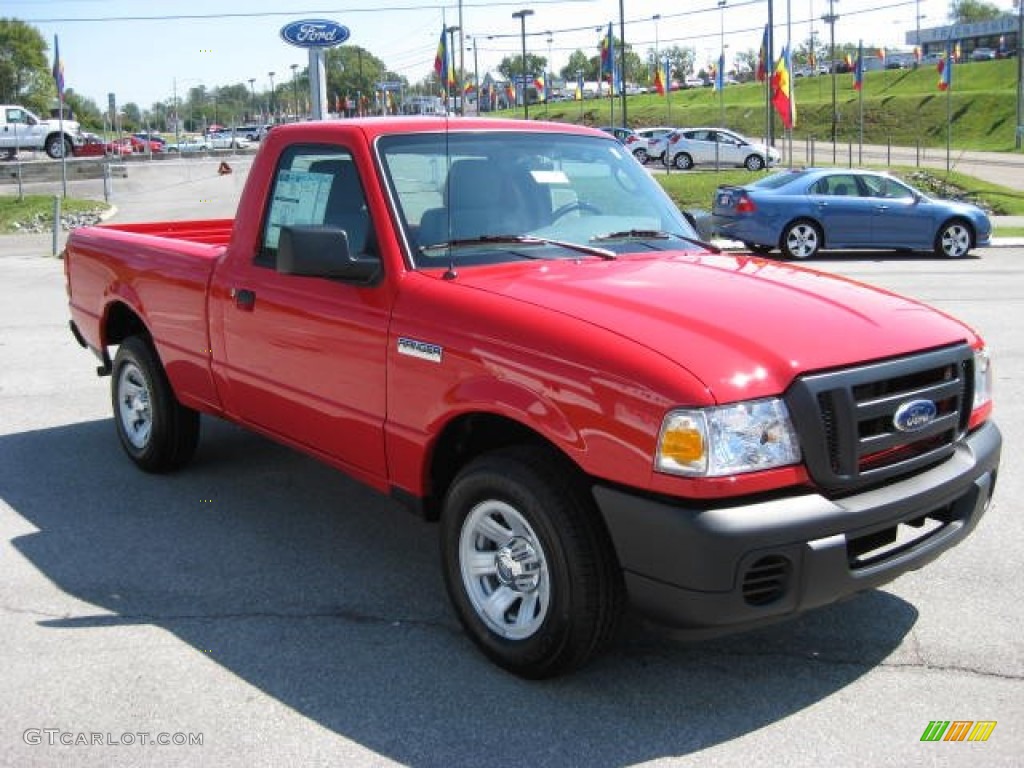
<point x="688" y="147"/>
<point x="227" y="140"/>
<point x="189" y="144"/>
<point x="648" y="147"/>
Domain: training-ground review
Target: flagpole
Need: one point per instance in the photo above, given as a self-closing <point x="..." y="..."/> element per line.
<point x="58" y="76"/>
<point x="860" y="101"/>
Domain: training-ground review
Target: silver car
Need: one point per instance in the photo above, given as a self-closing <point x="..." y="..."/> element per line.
<point x="688" y="147"/>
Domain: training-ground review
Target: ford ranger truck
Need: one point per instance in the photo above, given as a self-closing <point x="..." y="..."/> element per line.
<point x="509" y="326"/>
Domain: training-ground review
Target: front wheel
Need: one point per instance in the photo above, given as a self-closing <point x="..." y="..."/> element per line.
<point x="754" y="163"/>
<point x="528" y="564"/>
<point x="58" y="146"/>
<point x="801" y="240"/>
<point x="156" y="431"/>
<point x="953" y="240"/>
<point x="682" y="161"/>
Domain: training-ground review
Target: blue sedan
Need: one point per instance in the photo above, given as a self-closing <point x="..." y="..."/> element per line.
<point x="803" y="211"/>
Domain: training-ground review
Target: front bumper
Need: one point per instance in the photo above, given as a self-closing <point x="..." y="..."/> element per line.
<point x="744" y="565"/>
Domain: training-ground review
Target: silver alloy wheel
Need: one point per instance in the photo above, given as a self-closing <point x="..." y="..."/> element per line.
<point x="801" y="240"/>
<point x="133" y="405"/>
<point x="504" y="570"/>
<point x="955" y="241"/>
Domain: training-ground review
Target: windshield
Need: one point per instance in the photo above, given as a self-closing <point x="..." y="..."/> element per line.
<point x="487" y="197"/>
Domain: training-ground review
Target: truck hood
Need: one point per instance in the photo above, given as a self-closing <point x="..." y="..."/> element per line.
<point x="744" y="326"/>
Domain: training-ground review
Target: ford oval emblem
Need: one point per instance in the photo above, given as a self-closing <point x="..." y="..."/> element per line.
<point x="914" y="415"/>
<point x="314" y="33"/>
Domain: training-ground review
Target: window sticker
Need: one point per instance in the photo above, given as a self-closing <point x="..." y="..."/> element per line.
<point x="300" y="197"/>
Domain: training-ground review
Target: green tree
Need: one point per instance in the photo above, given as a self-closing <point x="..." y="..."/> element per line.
<point x="969" y="11"/>
<point x="512" y="66"/>
<point x="24" y="71"/>
<point x="578" y="60"/>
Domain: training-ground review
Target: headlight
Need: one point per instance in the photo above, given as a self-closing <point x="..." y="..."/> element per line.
<point x="727" y="440"/>
<point x="982" y="378"/>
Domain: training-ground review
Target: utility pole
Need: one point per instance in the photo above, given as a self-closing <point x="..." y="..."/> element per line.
<point x="622" y="61"/>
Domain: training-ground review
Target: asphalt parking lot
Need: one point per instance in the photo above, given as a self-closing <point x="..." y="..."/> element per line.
<point x="280" y="614"/>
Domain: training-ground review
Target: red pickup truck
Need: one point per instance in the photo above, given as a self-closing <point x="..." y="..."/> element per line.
<point x="510" y="327"/>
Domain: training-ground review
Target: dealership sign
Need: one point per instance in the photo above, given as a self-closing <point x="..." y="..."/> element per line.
<point x="314" y="33"/>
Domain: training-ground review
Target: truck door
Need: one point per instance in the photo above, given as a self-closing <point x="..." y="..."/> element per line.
<point x="305" y="356"/>
<point x="18" y="129"/>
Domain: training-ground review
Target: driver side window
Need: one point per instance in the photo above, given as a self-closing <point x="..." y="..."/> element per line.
<point x="317" y="186"/>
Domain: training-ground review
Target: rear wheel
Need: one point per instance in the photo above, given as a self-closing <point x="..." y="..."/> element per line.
<point x="528" y="564"/>
<point x="953" y="240"/>
<point x="801" y="240"/>
<point x="683" y="161"/>
<point x="156" y="431"/>
<point x="641" y="156"/>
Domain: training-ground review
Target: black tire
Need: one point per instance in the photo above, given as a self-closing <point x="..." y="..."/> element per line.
<point x="641" y="156"/>
<point x="58" y="146"/>
<point x="753" y="163"/>
<point x="528" y="564"/>
<point x="682" y="161"/>
<point x="801" y="239"/>
<point x="954" y="239"/>
<point x="156" y="431"/>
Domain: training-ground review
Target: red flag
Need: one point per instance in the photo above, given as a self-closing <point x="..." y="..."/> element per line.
<point x="782" y="91"/>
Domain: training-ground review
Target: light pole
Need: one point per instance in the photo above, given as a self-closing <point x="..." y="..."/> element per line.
<point x="271" y="104"/>
<point x="830" y="18"/>
<point x="252" y="95"/>
<point x="449" y="87"/>
<point x="295" y="92"/>
<point x="521" y="15"/>
<point x="1020" y="74"/>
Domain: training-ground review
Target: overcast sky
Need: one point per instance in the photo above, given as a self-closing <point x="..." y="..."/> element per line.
<point x="140" y="51"/>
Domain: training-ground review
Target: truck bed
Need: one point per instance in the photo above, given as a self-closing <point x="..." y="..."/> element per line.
<point x="163" y="268"/>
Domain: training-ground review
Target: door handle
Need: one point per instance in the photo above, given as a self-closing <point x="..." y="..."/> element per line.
<point x="244" y="298"/>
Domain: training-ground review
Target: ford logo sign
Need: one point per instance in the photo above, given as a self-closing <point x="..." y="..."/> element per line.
<point x="314" y="33"/>
<point x="914" y="415"/>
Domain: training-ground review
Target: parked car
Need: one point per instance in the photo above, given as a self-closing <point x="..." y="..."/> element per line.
<point x="983" y="54"/>
<point x="626" y="136"/>
<point x="189" y="144"/>
<point x="149" y="142"/>
<point x="647" y="141"/>
<point x="94" y="146"/>
<point x="688" y="147"/>
<point x="227" y="140"/>
<point x="804" y="211"/>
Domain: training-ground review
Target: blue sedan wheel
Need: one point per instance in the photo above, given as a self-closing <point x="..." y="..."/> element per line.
<point x="801" y="240"/>
<point x="954" y="240"/>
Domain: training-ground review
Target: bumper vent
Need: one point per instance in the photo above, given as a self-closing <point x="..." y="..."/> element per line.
<point x="849" y="420"/>
<point x="766" y="580"/>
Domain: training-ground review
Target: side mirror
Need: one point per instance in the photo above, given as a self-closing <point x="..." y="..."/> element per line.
<point x="322" y="251"/>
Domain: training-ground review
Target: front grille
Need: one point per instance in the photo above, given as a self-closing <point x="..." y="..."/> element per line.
<point x="847" y="418"/>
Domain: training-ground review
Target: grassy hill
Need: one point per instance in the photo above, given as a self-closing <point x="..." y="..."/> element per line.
<point x="901" y="107"/>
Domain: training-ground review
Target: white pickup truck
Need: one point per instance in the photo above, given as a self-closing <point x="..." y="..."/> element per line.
<point x="21" y="129"/>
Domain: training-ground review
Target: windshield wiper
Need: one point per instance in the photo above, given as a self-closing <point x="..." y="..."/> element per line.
<point x="589" y="250"/>
<point x="653" y="234"/>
